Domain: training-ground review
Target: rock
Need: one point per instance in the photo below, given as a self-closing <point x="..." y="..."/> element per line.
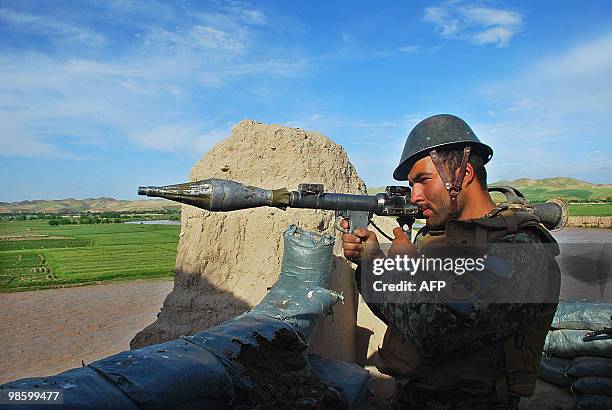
<point x="227" y="261"/>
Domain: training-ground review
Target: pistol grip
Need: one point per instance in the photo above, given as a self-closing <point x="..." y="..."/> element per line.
<point x="356" y="219"/>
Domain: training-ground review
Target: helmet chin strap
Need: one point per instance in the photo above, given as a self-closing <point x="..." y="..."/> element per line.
<point x="455" y="187"/>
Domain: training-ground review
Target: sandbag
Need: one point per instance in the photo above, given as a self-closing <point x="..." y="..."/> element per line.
<point x="593" y="385"/>
<point x="298" y="296"/>
<point x="82" y="388"/>
<point x="307" y="256"/>
<point x="143" y="374"/>
<point x="569" y="343"/>
<point x="582" y="315"/>
<point x="348" y="378"/>
<point x="552" y="369"/>
<point x="594" y="402"/>
<point x="590" y="366"/>
<point x="298" y="303"/>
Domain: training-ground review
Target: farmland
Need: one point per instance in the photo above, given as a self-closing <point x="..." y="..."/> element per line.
<point x="35" y="255"/>
<point x="590" y="209"/>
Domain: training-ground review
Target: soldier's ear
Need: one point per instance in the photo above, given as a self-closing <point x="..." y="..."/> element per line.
<point x="469" y="176"/>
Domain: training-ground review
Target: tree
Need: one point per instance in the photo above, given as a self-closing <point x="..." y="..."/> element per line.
<point x="54" y="222"/>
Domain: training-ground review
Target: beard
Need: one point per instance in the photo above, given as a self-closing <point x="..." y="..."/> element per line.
<point x="436" y="220"/>
<point x="437" y="215"/>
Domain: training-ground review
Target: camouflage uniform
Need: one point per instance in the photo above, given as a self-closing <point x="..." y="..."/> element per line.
<point x="462" y="353"/>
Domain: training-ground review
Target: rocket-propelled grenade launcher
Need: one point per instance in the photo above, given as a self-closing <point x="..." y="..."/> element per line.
<point x="221" y="195"/>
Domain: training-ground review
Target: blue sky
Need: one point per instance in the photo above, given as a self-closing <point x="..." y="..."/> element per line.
<point x="99" y="97"/>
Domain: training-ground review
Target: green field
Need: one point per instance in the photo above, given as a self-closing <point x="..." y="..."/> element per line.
<point x="35" y="255"/>
<point x="590" y="209"/>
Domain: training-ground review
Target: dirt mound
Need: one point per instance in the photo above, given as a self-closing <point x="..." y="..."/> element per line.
<point x="227" y="261"/>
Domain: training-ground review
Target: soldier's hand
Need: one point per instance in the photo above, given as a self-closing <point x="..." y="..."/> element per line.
<point x="401" y="245"/>
<point x="361" y="239"/>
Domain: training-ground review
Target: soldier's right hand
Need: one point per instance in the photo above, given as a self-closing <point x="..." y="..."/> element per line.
<point x="361" y="239"/>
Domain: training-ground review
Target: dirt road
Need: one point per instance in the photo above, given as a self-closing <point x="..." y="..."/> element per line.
<point x="48" y="331"/>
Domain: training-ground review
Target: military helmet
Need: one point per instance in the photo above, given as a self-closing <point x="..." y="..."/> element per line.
<point x="443" y="130"/>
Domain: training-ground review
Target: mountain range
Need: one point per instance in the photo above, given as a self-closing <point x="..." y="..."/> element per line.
<point x="72" y="205"/>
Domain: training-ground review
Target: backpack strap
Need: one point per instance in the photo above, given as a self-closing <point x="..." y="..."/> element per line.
<point x="481" y="232"/>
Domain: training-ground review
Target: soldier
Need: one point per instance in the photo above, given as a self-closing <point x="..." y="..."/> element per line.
<point x="461" y="351"/>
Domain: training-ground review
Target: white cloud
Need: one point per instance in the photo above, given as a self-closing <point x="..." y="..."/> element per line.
<point x="551" y="110"/>
<point x="593" y="58"/>
<point x="490" y="17"/>
<point x="409" y="49"/>
<point x="14" y="141"/>
<point x="44" y="99"/>
<point x="66" y="31"/>
<point x="574" y="82"/>
<point x="196" y="38"/>
<point x="245" y="13"/>
<point x="494" y="35"/>
<point x="474" y="23"/>
<point x="178" y="138"/>
<point x="148" y="94"/>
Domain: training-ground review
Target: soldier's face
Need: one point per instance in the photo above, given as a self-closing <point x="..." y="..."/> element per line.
<point x="428" y="192"/>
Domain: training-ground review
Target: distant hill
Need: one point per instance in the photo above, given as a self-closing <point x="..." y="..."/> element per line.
<point x="569" y="189"/>
<point x="72" y="205"/>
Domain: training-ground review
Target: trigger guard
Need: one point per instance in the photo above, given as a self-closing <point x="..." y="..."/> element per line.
<point x="340" y="228"/>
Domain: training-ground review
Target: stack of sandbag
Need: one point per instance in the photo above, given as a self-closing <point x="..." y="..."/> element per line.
<point x="578" y="352"/>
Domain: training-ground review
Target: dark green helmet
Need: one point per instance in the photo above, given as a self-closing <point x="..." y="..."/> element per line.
<point x="434" y="132"/>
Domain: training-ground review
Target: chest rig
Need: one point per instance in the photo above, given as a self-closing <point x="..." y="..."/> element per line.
<point x="504" y="368"/>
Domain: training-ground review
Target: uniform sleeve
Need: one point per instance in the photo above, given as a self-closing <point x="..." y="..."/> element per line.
<point x="439" y="328"/>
